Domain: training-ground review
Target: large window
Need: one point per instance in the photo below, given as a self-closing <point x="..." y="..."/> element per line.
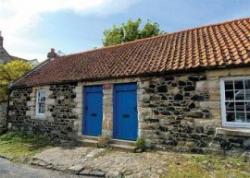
<point x="235" y="101"/>
<point x="40" y="103"/>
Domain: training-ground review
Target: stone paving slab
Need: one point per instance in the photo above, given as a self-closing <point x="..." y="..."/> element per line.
<point x="90" y="161"/>
<point x="60" y="158"/>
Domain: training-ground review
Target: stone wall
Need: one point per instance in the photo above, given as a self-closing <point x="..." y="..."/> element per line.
<point x="3" y="110"/>
<point x="169" y="107"/>
<point x="58" y="122"/>
<point x="18" y="107"/>
<point x="182" y="113"/>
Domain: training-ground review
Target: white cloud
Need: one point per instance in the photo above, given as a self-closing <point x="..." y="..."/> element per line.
<point x="18" y="18"/>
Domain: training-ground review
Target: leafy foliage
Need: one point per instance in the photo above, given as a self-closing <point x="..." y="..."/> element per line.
<point x="140" y="145"/>
<point x="10" y="72"/>
<point x="130" y="31"/>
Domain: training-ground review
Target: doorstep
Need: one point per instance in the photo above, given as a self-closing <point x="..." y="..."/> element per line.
<point x="89" y="140"/>
<point x="122" y="145"/>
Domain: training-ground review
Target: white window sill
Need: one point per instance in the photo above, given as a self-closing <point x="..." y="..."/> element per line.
<point x="244" y="132"/>
<point x="40" y="116"/>
<point x="236" y="125"/>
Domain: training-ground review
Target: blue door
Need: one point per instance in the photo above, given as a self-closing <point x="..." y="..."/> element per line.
<point x="92" y="110"/>
<point x="125" y="111"/>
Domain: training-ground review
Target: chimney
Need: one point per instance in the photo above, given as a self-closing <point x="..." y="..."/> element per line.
<point x="52" y="54"/>
<point x="1" y="39"/>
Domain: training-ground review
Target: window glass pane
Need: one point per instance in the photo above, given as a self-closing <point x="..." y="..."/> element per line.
<point x="239" y="94"/>
<point x="230" y="106"/>
<point x="229" y="95"/>
<point x="240" y="116"/>
<point x="247" y="93"/>
<point x="41" y="96"/>
<point x="230" y="117"/>
<point x="248" y="106"/>
<point x="240" y="106"/>
<point x="238" y="84"/>
<point x="247" y="84"/>
<point x="228" y="85"/>
<point x="248" y="117"/>
<point x="41" y="108"/>
<point x="41" y="102"/>
<point x="42" y="99"/>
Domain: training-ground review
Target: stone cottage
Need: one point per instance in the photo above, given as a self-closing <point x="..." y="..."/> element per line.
<point x="186" y="91"/>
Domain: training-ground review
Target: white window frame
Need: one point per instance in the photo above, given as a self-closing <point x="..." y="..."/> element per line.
<point x="225" y="123"/>
<point x="40" y="115"/>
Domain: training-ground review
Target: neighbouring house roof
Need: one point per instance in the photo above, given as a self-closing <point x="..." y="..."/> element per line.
<point x="6" y="57"/>
<point x="220" y="45"/>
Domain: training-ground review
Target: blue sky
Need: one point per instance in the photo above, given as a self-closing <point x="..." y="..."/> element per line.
<point x="31" y="27"/>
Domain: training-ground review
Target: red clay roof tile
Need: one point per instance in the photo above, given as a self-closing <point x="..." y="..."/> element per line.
<point x="223" y="44"/>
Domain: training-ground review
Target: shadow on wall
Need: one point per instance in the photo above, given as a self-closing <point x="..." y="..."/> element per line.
<point x="3" y="110"/>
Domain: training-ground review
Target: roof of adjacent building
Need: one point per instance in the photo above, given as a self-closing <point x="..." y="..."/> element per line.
<point x="6" y="57"/>
<point x="225" y="44"/>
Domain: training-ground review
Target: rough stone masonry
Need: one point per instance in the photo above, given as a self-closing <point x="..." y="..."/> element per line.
<point x="179" y="112"/>
<point x="3" y="109"/>
<point x="169" y="106"/>
<point x="182" y="112"/>
<point x="59" y="120"/>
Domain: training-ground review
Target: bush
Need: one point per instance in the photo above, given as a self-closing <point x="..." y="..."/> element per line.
<point x="140" y="145"/>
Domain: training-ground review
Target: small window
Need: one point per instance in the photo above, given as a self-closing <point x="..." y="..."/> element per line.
<point x="235" y="101"/>
<point x="40" y="103"/>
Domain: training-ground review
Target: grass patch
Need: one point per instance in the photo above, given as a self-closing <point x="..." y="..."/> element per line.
<point x="208" y="166"/>
<point x="19" y="146"/>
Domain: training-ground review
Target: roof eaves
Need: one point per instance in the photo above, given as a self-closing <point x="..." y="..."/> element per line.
<point x="151" y="74"/>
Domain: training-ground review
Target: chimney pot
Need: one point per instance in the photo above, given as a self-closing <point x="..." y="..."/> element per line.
<point x="52" y="54"/>
<point x="1" y="39"/>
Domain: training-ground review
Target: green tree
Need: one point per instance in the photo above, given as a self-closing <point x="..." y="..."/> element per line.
<point x="130" y="31"/>
<point x="10" y="72"/>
